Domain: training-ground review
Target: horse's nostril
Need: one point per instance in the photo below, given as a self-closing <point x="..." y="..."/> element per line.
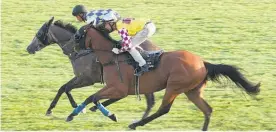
<point x="30" y="50"/>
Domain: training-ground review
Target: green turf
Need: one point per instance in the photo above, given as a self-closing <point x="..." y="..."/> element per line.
<point x="236" y="32"/>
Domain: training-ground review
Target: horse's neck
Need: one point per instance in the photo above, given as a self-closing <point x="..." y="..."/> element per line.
<point x="67" y="47"/>
<point x="96" y="40"/>
<point x="101" y="45"/>
<point x="63" y="38"/>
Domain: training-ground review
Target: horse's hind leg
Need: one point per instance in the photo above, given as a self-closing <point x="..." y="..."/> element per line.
<point x="163" y="109"/>
<point x="195" y="96"/>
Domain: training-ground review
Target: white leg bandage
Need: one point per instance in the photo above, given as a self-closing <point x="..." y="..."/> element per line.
<point x="137" y="56"/>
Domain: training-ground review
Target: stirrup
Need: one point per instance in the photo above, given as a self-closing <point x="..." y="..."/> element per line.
<point x="143" y="69"/>
<point x="139" y="73"/>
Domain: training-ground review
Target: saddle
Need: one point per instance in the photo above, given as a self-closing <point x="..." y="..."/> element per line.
<point x="152" y="58"/>
<point x="80" y="36"/>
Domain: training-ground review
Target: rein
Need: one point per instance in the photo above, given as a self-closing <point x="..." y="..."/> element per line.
<point x="114" y="59"/>
<point x="69" y="54"/>
<point x="111" y="61"/>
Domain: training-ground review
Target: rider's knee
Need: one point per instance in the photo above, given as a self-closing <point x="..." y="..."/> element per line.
<point x="151" y="29"/>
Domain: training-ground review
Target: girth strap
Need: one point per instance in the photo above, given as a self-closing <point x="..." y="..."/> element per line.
<point x="137" y="80"/>
<point x="112" y="62"/>
<point x="102" y="79"/>
<point x="137" y="87"/>
<point x="118" y="68"/>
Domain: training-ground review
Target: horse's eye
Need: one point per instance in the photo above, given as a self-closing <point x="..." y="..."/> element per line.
<point x="39" y="34"/>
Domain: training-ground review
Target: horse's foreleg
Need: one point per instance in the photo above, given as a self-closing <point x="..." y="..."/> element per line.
<point x="104" y="93"/>
<point x="150" y="103"/>
<point x="149" y="98"/>
<point x="105" y="103"/>
<point x="73" y="83"/>
<point x="76" y="82"/>
<point x="77" y="110"/>
<point x="54" y="102"/>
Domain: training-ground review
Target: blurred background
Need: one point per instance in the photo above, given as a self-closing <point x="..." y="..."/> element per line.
<point x="240" y="33"/>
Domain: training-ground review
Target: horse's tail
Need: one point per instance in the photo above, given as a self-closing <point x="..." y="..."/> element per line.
<point x="230" y="72"/>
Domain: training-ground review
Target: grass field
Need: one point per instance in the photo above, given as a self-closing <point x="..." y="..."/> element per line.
<point x="236" y="32"/>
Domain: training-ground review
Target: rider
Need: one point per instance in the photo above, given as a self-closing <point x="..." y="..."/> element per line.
<point x="82" y="15"/>
<point x="132" y="31"/>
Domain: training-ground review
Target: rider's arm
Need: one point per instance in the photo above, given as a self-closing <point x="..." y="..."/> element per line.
<point x="126" y="41"/>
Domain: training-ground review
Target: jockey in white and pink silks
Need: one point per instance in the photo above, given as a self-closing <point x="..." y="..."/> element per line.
<point x="132" y="31"/>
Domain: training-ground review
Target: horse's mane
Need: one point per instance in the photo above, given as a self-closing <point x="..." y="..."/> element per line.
<point x="67" y="26"/>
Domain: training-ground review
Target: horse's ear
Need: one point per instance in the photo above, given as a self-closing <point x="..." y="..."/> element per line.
<point x="50" y="21"/>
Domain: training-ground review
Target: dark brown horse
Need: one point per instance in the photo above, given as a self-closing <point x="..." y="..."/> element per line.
<point x="178" y="72"/>
<point x="86" y="69"/>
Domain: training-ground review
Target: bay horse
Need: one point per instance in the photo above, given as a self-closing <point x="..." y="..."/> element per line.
<point x="178" y="72"/>
<point x="86" y="69"/>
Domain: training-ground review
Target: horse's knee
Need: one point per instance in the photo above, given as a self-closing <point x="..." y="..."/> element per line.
<point x="150" y="105"/>
<point x="121" y="93"/>
<point x="62" y="88"/>
<point x="209" y="110"/>
<point x="150" y="100"/>
<point x="92" y="98"/>
<point x="209" y="113"/>
<point x="68" y="89"/>
<point x="165" y="109"/>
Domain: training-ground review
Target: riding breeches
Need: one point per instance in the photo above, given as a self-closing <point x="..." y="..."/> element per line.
<point x="139" y="38"/>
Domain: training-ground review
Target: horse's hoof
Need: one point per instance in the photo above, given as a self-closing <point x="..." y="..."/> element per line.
<point x="69" y="118"/>
<point x="83" y="111"/>
<point x="135" y="121"/>
<point x="48" y="113"/>
<point x="113" y="117"/>
<point x="132" y="126"/>
<point x="93" y="109"/>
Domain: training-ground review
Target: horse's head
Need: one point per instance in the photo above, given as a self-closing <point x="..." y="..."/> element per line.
<point x="41" y="38"/>
<point x="58" y="32"/>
